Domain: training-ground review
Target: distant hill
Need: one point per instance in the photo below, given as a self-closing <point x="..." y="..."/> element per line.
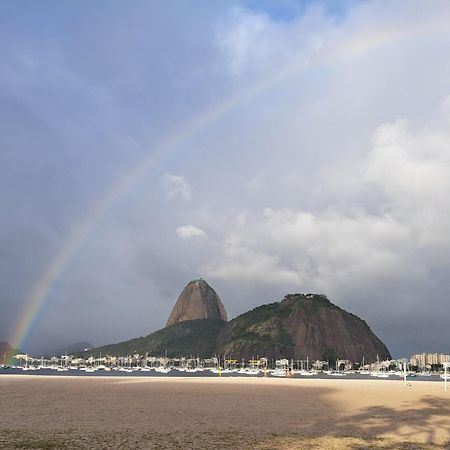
<point x="188" y="338"/>
<point x="300" y="326"/>
<point x="6" y="353"/>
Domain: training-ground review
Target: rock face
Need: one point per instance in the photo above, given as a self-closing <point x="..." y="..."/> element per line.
<point x="198" y="300"/>
<point x="301" y="326"/>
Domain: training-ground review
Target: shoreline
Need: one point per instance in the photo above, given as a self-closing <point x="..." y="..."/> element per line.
<point x="215" y="377"/>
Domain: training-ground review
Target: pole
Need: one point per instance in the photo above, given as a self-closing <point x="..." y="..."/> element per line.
<point x="445" y="377"/>
<point x="404" y="372"/>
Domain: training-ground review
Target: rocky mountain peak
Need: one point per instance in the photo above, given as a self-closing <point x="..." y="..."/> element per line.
<point x="198" y="300"/>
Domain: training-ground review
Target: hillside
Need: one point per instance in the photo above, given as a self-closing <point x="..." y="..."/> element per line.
<point x="6" y="353"/>
<point x="298" y="327"/>
<point x="194" y="337"/>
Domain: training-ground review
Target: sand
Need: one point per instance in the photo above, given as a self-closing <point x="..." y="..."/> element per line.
<point x="113" y="412"/>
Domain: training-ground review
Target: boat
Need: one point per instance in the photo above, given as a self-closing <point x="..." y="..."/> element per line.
<point x="279" y="373"/>
<point x="163" y="369"/>
<point x="379" y="374"/>
<point x="306" y="373"/>
<point x="251" y="372"/>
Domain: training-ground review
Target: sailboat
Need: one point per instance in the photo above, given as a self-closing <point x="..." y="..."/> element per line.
<point x="306" y="372"/>
<point x="163" y="368"/>
<point x="337" y="372"/>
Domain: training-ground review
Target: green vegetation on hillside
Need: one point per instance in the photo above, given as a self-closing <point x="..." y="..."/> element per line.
<point x="299" y="326"/>
<point x="265" y="324"/>
<point x="190" y="338"/>
<point x="7" y="354"/>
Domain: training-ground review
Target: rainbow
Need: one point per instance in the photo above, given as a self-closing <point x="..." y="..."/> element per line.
<point x="344" y="48"/>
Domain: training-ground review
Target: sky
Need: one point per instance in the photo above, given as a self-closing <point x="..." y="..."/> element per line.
<point x="270" y="147"/>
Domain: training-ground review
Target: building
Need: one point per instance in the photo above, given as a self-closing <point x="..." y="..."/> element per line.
<point x="427" y="360"/>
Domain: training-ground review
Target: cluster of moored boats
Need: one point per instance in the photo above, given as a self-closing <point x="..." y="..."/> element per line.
<point x="246" y="371"/>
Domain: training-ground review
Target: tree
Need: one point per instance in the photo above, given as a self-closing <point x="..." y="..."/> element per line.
<point x="329" y="355"/>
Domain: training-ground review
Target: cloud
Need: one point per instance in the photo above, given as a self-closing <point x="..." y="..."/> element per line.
<point x="251" y="42"/>
<point x="345" y="242"/>
<point x="315" y="251"/>
<point x="240" y="40"/>
<point x="190" y="232"/>
<point x="175" y="186"/>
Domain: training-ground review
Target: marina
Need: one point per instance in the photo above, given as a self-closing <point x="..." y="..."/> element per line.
<point x="215" y="372"/>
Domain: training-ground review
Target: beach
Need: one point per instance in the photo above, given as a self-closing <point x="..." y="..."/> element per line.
<point x="202" y="413"/>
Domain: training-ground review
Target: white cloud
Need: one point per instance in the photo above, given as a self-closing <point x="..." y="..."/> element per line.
<point x="176" y="186"/>
<point x="345" y="245"/>
<point x="241" y="39"/>
<point x="315" y="250"/>
<point x="190" y="232"/>
<point x="251" y="42"/>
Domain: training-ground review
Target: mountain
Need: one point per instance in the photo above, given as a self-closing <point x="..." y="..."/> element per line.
<point x="300" y="326"/>
<point x="198" y="300"/>
<point x="6" y="353"/>
<point x="188" y="338"/>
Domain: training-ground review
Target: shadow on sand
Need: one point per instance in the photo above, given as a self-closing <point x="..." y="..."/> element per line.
<point x="422" y="425"/>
